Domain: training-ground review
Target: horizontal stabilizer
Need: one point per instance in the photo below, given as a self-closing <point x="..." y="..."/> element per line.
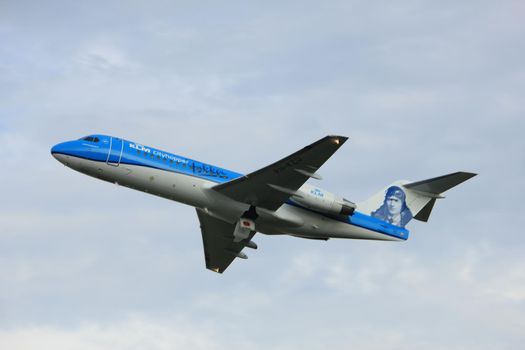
<point x="440" y="184"/>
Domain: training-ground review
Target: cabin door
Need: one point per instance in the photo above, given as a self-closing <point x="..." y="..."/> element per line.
<point x="116" y="147"/>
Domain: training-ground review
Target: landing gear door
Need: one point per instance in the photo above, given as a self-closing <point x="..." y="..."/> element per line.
<point x="116" y="147"/>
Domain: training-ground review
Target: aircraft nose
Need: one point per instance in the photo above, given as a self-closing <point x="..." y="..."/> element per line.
<point x="62" y="151"/>
<point x="58" y="148"/>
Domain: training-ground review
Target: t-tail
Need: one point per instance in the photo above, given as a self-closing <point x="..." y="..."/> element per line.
<point x="403" y="201"/>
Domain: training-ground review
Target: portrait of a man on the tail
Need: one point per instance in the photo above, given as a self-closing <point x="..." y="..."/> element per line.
<point x="394" y="209"/>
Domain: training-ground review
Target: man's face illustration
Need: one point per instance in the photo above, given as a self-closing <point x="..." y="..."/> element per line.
<point x="394" y="205"/>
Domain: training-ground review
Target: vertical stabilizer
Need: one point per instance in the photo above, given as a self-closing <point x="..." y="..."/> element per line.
<point x="401" y="201"/>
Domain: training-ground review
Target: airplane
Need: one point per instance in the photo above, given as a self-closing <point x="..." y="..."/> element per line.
<point x="274" y="200"/>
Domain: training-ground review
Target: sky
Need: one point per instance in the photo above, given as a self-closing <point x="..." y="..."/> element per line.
<point x="421" y="88"/>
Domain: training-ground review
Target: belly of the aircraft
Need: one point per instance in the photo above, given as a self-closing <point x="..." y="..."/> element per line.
<point x="197" y="192"/>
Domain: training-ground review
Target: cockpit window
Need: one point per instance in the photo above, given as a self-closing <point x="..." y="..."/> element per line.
<point x="91" y="139"/>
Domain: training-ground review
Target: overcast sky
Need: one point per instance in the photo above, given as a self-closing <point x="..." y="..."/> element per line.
<point x="422" y="88"/>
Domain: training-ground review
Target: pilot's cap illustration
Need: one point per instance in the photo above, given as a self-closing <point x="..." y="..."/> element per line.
<point x="396" y="192"/>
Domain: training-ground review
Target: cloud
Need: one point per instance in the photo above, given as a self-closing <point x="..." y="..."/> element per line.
<point x="104" y="56"/>
<point x="132" y="333"/>
<point x="422" y="89"/>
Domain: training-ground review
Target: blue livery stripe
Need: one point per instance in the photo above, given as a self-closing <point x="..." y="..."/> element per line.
<point x="362" y="220"/>
<point x="374" y="224"/>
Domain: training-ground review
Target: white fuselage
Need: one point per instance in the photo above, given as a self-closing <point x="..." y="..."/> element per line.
<point x="197" y="192"/>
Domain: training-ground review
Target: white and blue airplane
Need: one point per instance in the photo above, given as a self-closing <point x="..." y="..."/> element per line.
<point x="274" y="200"/>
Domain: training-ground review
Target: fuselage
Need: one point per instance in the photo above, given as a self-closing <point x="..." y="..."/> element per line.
<point x="188" y="181"/>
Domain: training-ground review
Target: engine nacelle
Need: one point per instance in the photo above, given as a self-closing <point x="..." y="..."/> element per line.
<point x="323" y="201"/>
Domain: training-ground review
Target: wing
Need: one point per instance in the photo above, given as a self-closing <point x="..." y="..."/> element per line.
<point x="272" y="185"/>
<point x="217" y="238"/>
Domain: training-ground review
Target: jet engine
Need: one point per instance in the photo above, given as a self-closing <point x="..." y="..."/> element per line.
<point x="323" y="201"/>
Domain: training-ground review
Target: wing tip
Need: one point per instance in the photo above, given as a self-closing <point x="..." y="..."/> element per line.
<point x="337" y="139"/>
<point x="215" y="269"/>
<point x="468" y="174"/>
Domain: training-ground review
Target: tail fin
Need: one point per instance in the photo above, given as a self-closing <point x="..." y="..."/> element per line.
<point x="403" y="200"/>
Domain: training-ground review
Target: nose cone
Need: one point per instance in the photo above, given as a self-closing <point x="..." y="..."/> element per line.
<point x="60" y="148"/>
<point x="62" y="151"/>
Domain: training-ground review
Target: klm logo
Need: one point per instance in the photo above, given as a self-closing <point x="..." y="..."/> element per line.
<point x="139" y="147"/>
<point x="317" y="192"/>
